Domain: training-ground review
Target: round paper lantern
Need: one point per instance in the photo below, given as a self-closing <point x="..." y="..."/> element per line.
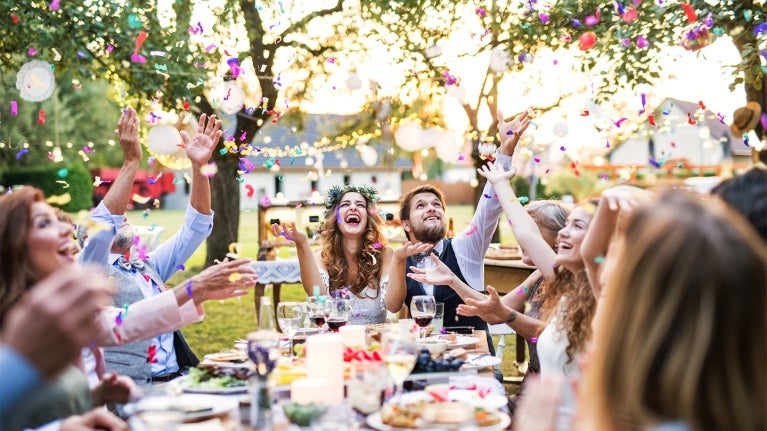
<point x="587" y="41"/>
<point x="433" y="137"/>
<point x="368" y="155"/>
<point x="499" y="59"/>
<point x="560" y="128"/>
<point x="448" y="148"/>
<point x="230" y="97"/>
<point x="408" y="135"/>
<point x="35" y="81"/>
<point x="163" y="140"/>
<point x="354" y="81"/>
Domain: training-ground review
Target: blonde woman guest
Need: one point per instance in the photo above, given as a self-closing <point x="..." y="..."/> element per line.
<point x="690" y="292"/>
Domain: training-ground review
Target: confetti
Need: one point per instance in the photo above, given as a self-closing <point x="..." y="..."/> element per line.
<point x="701" y="104"/>
<point x="119" y="319"/>
<point x="599" y="259"/>
<point x="21" y="153"/>
<point x="689" y="11"/>
<point x="32" y="52"/>
<point x="209" y="170"/>
<point x="377" y="245"/>
<point x="584" y="113"/>
<point x="651" y="120"/>
<point x="644" y="103"/>
<point x="690" y="120"/>
<point x="587" y="41"/>
<point x="619" y="122"/>
<point x="523" y="199"/>
<point x="63" y="183"/>
<point x="235" y="276"/>
<point x="151" y="352"/>
<point x="135" y="57"/>
<point x="41" y="117"/>
<point x="250" y="190"/>
<point x="14" y="108"/>
<point x="59" y="199"/>
<point x="471" y="230"/>
<point x="140" y="199"/>
<point x="152" y="227"/>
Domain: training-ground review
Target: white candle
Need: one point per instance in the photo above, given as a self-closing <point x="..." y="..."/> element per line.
<point x="353" y="335"/>
<point x="308" y="391"/>
<point x="325" y="359"/>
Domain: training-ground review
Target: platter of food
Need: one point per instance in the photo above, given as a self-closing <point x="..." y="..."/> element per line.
<point x="475" y="398"/>
<point x="436" y="416"/>
<point x="216" y="379"/>
<point x="455" y="340"/>
<point x="476" y="362"/>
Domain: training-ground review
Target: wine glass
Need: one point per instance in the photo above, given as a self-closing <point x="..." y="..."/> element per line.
<point x="399" y="354"/>
<point x="263" y="350"/>
<point x="339" y="313"/>
<point x="318" y="309"/>
<point x="422" y="309"/>
<point x="290" y="316"/>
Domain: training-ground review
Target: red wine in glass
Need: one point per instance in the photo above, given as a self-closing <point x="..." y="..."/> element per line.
<point x="423" y="321"/>
<point x="318" y="321"/>
<point x="334" y="324"/>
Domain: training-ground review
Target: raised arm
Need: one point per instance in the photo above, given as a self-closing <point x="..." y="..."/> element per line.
<point x="119" y="195"/>
<point x="440" y="274"/>
<point x="100" y="229"/>
<point x="509" y="132"/>
<point x="615" y="202"/>
<point x="494" y="310"/>
<point x="199" y="149"/>
<point x="397" y="290"/>
<point x="525" y="230"/>
<point x="308" y="263"/>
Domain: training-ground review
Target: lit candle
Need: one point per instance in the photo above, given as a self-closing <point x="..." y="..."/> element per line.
<point x="308" y="391"/>
<point x="353" y="335"/>
<point x="325" y="359"/>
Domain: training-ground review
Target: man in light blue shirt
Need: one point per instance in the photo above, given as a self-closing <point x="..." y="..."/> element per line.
<point x="141" y="275"/>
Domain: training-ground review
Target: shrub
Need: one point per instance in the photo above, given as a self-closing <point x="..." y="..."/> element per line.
<point x="73" y="179"/>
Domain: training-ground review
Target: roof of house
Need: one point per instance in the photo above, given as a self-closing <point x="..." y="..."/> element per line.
<point x="315" y="127"/>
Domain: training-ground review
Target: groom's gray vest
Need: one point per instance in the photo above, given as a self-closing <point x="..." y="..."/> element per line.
<point x="132" y="359"/>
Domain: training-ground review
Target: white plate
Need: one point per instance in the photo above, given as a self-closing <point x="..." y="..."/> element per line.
<point x="375" y="422"/>
<point x="460" y="341"/>
<point x="491" y="401"/>
<point x="476" y="362"/>
<point x="183" y="383"/>
<point x="195" y="407"/>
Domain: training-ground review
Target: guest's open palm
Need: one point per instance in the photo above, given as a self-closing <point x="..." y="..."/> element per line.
<point x="200" y="147"/>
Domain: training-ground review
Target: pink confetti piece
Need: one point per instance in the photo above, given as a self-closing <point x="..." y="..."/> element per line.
<point x="14" y="108"/>
<point x="32" y="52"/>
<point x="135" y="57"/>
<point x="537" y="159"/>
<point x="377" y="245"/>
<point x="331" y="60"/>
<point x="54" y="5"/>
<point x="119" y="319"/>
<point x="472" y="229"/>
<point x="533" y="340"/>
<point x="210" y="47"/>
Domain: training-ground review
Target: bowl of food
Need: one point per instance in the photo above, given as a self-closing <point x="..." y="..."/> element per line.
<point x="435" y="346"/>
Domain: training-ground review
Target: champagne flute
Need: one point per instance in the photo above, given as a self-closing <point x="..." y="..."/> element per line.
<point x="339" y="313"/>
<point x="423" y="308"/>
<point x="399" y="354"/>
<point x="290" y="316"/>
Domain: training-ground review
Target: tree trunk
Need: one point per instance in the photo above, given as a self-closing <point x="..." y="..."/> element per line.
<point x="225" y="191"/>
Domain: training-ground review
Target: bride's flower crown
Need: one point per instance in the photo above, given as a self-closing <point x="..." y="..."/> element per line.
<point x="336" y="192"/>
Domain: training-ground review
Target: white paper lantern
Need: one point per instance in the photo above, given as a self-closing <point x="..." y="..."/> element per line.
<point x="368" y="155"/>
<point x="408" y="135"/>
<point x="432" y="137"/>
<point x="354" y="81"/>
<point x="560" y="128"/>
<point x="230" y="97"/>
<point x="500" y="59"/>
<point x="163" y="140"/>
<point x="448" y="148"/>
<point x="459" y="93"/>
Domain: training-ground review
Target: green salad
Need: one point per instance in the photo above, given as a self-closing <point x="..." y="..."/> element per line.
<point x="211" y="376"/>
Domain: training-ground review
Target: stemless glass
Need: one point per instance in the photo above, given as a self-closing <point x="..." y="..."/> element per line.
<point x="339" y="313"/>
<point x="263" y="350"/>
<point x="422" y="309"/>
<point x="290" y="316"/>
<point x="399" y="353"/>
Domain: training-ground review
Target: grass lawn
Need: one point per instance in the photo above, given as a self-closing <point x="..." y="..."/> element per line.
<point x="232" y="319"/>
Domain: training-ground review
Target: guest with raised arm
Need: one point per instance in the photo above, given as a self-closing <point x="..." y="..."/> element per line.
<point x="354" y="259"/>
<point x="568" y="302"/>
<point x="422" y="213"/>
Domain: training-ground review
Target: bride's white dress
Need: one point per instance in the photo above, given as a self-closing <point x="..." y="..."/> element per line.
<point x="367" y="308"/>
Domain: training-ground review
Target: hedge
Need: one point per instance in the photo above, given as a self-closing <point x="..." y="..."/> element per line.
<point x="73" y="179"/>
